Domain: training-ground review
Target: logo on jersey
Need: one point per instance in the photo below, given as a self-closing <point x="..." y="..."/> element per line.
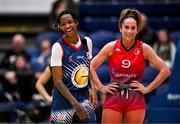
<point x="70" y="59"/>
<point x="80" y="76"/>
<point x="126" y="63"/>
<point x="137" y="51"/>
<point x="88" y="55"/>
<point x="118" y="50"/>
<point x="61" y="117"/>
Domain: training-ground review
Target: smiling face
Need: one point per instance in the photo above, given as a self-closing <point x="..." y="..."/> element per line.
<point x="129" y="29"/>
<point x="68" y="25"/>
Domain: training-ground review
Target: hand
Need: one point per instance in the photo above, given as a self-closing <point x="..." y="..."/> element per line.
<point x="81" y="111"/>
<point x="137" y="86"/>
<point x="49" y="100"/>
<point x="11" y="77"/>
<point x="110" y="88"/>
<point x="93" y="97"/>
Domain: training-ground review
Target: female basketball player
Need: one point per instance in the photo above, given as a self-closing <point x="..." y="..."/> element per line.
<point x="70" y="61"/>
<point x="125" y="92"/>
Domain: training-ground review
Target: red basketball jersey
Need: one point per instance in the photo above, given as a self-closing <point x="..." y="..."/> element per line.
<point x="127" y="65"/>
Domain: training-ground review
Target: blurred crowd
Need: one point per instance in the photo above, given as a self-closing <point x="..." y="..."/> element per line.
<point x="21" y="66"/>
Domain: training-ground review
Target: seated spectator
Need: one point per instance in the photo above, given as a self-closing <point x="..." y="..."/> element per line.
<point x="164" y="47"/>
<point x="18" y="48"/>
<point x="40" y="62"/>
<point x="17" y="81"/>
<point x="147" y="34"/>
<point x="60" y="5"/>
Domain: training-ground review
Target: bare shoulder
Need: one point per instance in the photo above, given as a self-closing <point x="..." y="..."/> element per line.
<point x="147" y="50"/>
<point x="146" y="47"/>
<point x="108" y="48"/>
<point x="110" y="44"/>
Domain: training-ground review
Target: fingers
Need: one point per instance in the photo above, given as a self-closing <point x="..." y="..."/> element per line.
<point x="109" y="91"/>
<point x="112" y="87"/>
<point x="137" y="86"/>
<point x="95" y="102"/>
<point x="84" y="114"/>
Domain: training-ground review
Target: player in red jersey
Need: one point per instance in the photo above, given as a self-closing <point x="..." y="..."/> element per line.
<point x="125" y="92"/>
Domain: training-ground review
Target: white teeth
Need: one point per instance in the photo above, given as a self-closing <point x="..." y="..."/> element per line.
<point x="68" y="30"/>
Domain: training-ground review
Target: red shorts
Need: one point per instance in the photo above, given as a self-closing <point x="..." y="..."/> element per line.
<point x="120" y="102"/>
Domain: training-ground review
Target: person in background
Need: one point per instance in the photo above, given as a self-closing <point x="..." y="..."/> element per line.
<point x="60" y="5"/>
<point x="39" y="63"/>
<point x="18" y="48"/>
<point x="70" y="61"/>
<point x="147" y="34"/>
<point x="45" y="78"/>
<point x="16" y="85"/>
<point x="165" y="47"/>
<point x="125" y="93"/>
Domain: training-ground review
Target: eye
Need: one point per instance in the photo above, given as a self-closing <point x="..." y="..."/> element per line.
<point x="62" y="24"/>
<point x="126" y="27"/>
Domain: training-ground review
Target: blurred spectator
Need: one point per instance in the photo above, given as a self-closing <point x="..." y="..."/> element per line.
<point x="164" y="47"/>
<point x="147" y="34"/>
<point x="40" y="62"/>
<point x="18" y="48"/>
<point x="60" y="5"/>
<point x="15" y="83"/>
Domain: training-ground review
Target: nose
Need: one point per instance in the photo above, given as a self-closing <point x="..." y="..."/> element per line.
<point x="67" y="25"/>
<point x="129" y="30"/>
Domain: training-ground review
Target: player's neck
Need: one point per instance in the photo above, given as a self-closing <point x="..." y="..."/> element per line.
<point x="73" y="39"/>
<point x="128" y="43"/>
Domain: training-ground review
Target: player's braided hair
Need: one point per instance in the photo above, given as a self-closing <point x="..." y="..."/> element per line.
<point x="73" y="14"/>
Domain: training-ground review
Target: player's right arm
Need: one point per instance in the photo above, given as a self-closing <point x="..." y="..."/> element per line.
<point x="98" y="60"/>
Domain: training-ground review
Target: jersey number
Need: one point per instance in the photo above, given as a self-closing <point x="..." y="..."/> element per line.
<point x="126" y="63"/>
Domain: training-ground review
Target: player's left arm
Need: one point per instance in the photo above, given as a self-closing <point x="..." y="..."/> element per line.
<point x="159" y="64"/>
<point x="92" y="95"/>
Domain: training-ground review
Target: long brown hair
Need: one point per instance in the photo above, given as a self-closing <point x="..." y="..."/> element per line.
<point x="131" y="13"/>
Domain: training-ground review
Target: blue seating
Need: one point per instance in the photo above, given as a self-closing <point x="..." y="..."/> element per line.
<point x="109" y="9"/>
<point x="149" y="74"/>
<point x="95" y="51"/>
<point x="103" y="74"/>
<point x="33" y="51"/>
<point x="174" y="79"/>
<point x="162" y="115"/>
<point x="93" y="24"/>
<point x="105" y="15"/>
<point x="163" y="107"/>
<point x="175" y="36"/>
<point x="51" y="36"/>
<point x="101" y="37"/>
